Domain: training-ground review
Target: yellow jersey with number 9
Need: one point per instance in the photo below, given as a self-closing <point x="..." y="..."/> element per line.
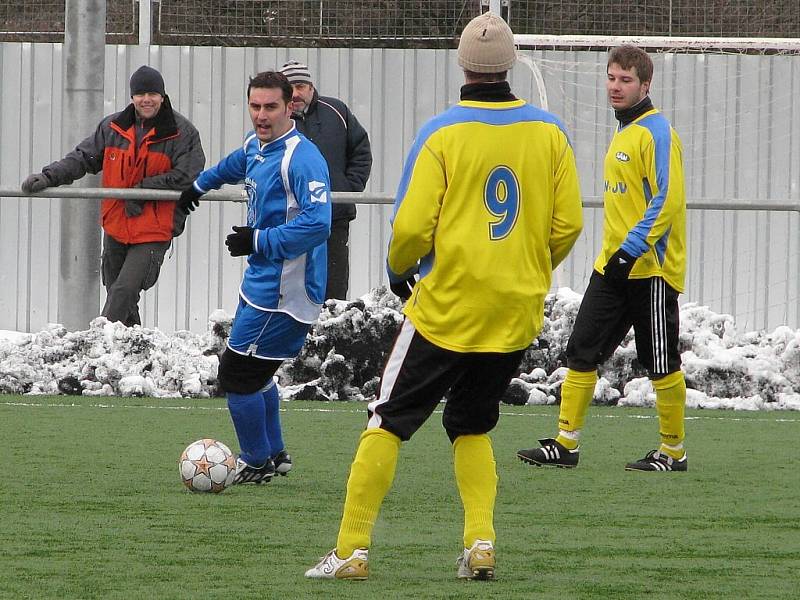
<point x="488" y="205"/>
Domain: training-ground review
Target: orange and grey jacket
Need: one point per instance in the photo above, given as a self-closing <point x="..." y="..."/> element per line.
<point x="166" y="154"/>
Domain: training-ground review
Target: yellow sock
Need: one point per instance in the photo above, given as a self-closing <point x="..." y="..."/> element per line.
<point x="476" y="476"/>
<point x="576" y="396"/>
<point x="371" y="476"/>
<point x="670" y="405"/>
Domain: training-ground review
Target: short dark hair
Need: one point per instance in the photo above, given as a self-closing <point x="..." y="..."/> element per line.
<point x="628" y="57"/>
<point x="274" y="80"/>
<point x="486" y="77"/>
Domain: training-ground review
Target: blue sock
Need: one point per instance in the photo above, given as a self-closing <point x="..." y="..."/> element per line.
<point x="272" y="400"/>
<point x="247" y="414"/>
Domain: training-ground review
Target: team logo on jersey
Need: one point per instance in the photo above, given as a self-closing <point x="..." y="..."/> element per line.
<point x="318" y="191"/>
<point x="622" y="157"/>
<point x="259" y="158"/>
<point x="616" y="188"/>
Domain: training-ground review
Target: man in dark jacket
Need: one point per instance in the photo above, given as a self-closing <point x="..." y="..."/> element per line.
<point x="345" y="145"/>
<point x="147" y="145"/>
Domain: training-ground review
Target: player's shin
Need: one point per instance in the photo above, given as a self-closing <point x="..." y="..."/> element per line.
<point x="247" y="414"/>
<point x="371" y="476"/>
<point x="671" y="406"/>
<point x="271" y="396"/>
<point x="576" y="396"/>
<point x="476" y="476"/>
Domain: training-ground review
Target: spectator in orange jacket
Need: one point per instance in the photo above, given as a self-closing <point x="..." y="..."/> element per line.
<point x="147" y="145"/>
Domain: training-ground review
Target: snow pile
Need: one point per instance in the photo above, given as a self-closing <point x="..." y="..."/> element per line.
<point x="724" y="369"/>
<point x="344" y="354"/>
<point x="110" y="359"/>
<point x="343" y="357"/>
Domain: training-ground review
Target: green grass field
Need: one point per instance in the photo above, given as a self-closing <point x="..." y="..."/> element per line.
<point x="91" y="506"/>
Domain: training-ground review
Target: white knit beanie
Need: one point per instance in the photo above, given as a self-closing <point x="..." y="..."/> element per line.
<point x="486" y="45"/>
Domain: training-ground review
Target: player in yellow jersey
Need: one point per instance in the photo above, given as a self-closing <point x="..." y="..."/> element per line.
<point x="637" y="276"/>
<point x="487" y="206"/>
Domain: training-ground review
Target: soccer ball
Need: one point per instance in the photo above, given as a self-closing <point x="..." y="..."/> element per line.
<point x="207" y="466"/>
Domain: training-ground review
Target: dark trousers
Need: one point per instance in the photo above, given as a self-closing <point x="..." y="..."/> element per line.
<point x="338" y="260"/>
<point x="127" y="270"/>
<point x="607" y="312"/>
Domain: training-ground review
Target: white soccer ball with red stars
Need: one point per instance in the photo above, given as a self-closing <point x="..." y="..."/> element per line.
<point x="207" y="466"/>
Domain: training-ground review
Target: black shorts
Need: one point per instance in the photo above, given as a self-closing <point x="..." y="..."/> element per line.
<point x="608" y="311"/>
<point x="418" y="374"/>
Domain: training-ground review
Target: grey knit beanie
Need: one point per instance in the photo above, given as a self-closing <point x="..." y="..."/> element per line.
<point x="296" y="72"/>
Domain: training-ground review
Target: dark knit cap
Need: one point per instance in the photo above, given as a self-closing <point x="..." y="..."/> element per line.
<point x="147" y="79"/>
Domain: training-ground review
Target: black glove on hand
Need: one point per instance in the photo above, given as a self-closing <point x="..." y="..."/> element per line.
<point x="35" y="183"/>
<point x="404" y="288"/>
<point x="190" y="199"/>
<point x="619" y="265"/>
<point x="240" y="243"/>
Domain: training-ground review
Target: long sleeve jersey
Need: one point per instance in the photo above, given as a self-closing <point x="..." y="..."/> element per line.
<point x="489" y="203"/>
<point x="289" y="210"/>
<point x="644" y="200"/>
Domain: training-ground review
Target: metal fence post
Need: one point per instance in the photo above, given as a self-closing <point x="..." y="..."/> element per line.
<point x="84" y="75"/>
<point x="498" y="7"/>
<point x="145" y="22"/>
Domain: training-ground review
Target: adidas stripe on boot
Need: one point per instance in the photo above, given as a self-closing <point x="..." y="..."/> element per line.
<point x="658" y="461"/>
<point x="246" y="473"/>
<point x="551" y="454"/>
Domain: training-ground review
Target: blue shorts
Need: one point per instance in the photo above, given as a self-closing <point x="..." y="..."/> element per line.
<point x="266" y="334"/>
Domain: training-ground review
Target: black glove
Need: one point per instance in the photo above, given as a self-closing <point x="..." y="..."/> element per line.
<point x="35" y="183"/>
<point x="404" y="288"/>
<point x="619" y="266"/>
<point x="190" y="199"/>
<point x="240" y="243"/>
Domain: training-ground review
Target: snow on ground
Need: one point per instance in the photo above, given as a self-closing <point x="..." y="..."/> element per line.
<point x="343" y="357"/>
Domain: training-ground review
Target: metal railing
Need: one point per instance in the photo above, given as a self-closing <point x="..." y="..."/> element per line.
<point x="234" y="194"/>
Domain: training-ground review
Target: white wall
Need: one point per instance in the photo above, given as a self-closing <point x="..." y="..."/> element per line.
<point x="738" y="116"/>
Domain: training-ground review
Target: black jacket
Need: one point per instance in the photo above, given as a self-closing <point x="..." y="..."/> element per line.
<point x="343" y="142"/>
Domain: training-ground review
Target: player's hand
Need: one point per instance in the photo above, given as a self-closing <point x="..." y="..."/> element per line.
<point x="35" y="183"/>
<point x="619" y="266"/>
<point x="240" y="242"/>
<point x="403" y="289"/>
<point x="190" y="199"/>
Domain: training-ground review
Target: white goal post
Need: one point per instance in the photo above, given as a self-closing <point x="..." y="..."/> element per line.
<point x="663" y="43"/>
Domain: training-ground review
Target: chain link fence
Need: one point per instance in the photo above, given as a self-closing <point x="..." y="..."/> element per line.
<point x="402" y="23"/>
<point x="43" y="21"/>
<point x="437" y="23"/>
<point x="680" y="18"/>
<point x="375" y="23"/>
